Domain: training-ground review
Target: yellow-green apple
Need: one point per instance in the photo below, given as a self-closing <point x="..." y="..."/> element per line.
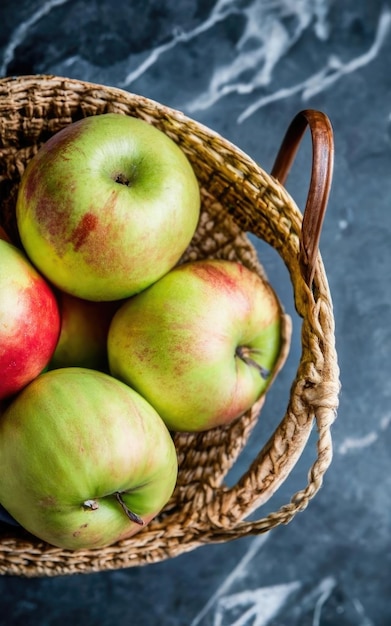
<point x="29" y="320"/>
<point x="201" y="344"/>
<point x="85" y="460"/>
<point x="83" y="336"/>
<point x="107" y="206"/>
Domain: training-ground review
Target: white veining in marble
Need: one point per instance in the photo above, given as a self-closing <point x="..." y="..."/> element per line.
<point x="261" y="605"/>
<point x="364" y="620"/>
<point x="265" y="41"/>
<point x="230" y="607"/>
<point x="221" y="10"/>
<point x="20" y="33"/>
<point x="253" y="606"/>
<point x="324" y="590"/>
<point x="328" y="75"/>
<point x="237" y="573"/>
<point x="356" y="444"/>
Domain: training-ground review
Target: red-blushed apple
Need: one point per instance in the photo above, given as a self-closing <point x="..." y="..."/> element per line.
<point x="83" y="336"/>
<point x="107" y="206"/>
<point x="85" y="460"/>
<point x="202" y="344"/>
<point x="29" y="321"/>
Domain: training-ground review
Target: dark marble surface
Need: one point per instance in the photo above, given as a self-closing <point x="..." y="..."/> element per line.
<point x="245" y="68"/>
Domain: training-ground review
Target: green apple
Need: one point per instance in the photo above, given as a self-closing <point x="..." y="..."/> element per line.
<point x="85" y="460"/>
<point x="107" y="206"/>
<point x="29" y="320"/>
<point x="201" y="344"/>
<point x="83" y="336"/>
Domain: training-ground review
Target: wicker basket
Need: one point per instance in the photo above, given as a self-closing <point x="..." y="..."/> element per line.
<point x="237" y="197"/>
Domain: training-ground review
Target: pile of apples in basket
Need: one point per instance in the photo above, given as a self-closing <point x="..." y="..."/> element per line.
<point x="109" y="343"/>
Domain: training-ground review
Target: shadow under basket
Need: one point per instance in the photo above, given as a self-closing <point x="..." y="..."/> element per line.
<point x="238" y="198"/>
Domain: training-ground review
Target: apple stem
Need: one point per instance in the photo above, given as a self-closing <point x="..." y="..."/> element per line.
<point x="132" y="516"/>
<point x="243" y="352"/>
<point x="121" y="179"/>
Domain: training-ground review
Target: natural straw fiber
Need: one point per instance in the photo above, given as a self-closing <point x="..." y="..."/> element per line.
<point x="238" y="198"/>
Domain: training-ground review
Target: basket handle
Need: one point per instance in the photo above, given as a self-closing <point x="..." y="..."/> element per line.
<point x="320" y="183"/>
<point x="275" y="461"/>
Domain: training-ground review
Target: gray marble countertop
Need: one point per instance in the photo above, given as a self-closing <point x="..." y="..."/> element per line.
<point x="244" y="68"/>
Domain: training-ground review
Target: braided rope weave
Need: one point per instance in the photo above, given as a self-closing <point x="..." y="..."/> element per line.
<point x="238" y="197"/>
